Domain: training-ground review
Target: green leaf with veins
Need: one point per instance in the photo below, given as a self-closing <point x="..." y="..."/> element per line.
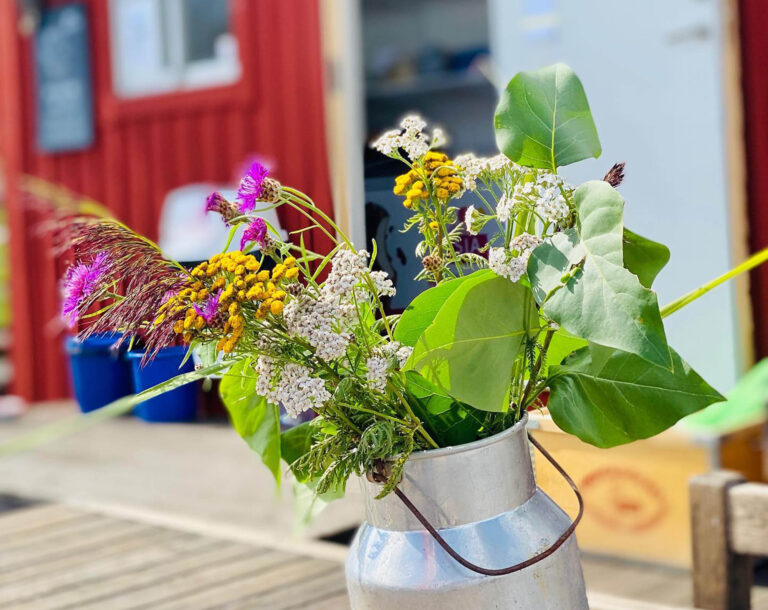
<point x="423" y="309"/>
<point x="579" y="279"/>
<point x="608" y="397"/>
<point x="644" y="257"/>
<point x="469" y="350"/>
<point x="447" y="421"/>
<point x="543" y="119"/>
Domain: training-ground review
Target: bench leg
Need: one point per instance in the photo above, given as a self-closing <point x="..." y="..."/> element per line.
<point x="721" y="579"/>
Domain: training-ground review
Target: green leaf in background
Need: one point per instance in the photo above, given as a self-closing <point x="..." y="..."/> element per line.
<point x="447" y="421"/>
<point x="563" y="344"/>
<point x="543" y="119"/>
<point x="469" y="350"/>
<point x="644" y="257"/>
<point x="579" y="279"/>
<point x="608" y="397"/>
<point x="255" y="420"/>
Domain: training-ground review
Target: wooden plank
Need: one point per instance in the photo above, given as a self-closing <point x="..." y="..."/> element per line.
<point x="249" y="585"/>
<point x="721" y="579"/>
<point x="70" y="546"/>
<point x="50" y="536"/>
<point x="748" y="504"/>
<point x="150" y="538"/>
<point x="146" y="587"/>
<point x="299" y="594"/>
<point x="35" y="516"/>
<point x="156" y="551"/>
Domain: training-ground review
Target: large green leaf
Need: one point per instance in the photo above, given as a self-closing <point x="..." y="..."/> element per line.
<point x="423" y="309"/>
<point x="254" y="419"/>
<point x="644" y="257"/>
<point x="608" y="397"/>
<point x="447" y="421"/>
<point x="579" y="279"/>
<point x="469" y="350"/>
<point x="543" y="119"/>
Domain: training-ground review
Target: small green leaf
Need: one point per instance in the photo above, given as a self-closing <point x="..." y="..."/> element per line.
<point x="563" y="344"/>
<point x="254" y="419"/>
<point x="447" y="421"/>
<point x="608" y="397"/>
<point x="644" y="257"/>
<point x="543" y="119"/>
<point x="469" y="350"/>
<point x="423" y="309"/>
<point x="600" y="301"/>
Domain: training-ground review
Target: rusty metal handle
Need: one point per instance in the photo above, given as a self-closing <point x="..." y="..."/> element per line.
<point x="518" y="566"/>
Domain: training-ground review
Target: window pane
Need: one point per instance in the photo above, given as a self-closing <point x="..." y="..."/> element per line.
<point x="206" y="30"/>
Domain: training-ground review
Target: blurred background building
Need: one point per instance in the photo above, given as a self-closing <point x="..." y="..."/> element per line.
<point x="124" y="101"/>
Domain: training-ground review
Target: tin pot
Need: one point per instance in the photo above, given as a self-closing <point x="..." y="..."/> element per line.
<point x="483" y="499"/>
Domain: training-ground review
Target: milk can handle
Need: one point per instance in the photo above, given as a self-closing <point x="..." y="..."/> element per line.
<point x="518" y="566"/>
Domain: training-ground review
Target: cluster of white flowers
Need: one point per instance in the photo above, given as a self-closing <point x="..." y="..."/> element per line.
<point x="504" y="208"/>
<point x="293" y="387"/>
<point x="384" y="359"/>
<point x="474" y="167"/>
<point x="347" y="269"/>
<point x="502" y="262"/>
<point x="397" y="351"/>
<point x="410" y="137"/>
<point x="524" y="244"/>
<point x="383" y="284"/>
<point x="551" y="205"/>
<point x="323" y="320"/>
<point x="378" y="367"/>
<point x="314" y="320"/>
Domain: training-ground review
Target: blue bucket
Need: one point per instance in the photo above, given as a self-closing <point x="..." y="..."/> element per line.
<point x="179" y="405"/>
<point x="99" y="373"/>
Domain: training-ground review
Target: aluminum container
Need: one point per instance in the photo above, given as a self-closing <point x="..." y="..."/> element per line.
<point x="483" y="499"/>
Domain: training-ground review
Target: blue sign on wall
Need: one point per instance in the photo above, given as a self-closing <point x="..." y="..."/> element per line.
<point x="63" y="78"/>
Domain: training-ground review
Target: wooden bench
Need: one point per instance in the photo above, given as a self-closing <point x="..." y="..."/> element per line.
<point x="729" y="518"/>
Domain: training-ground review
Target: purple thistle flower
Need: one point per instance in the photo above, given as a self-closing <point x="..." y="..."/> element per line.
<point x="251" y="186"/>
<point x="210" y="308"/>
<point x="256" y="231"/>
<point x="214" y="202"/>
<point x="81" y="281"/>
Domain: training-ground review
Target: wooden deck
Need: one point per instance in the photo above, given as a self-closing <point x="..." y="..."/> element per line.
<point x="55" y="557"/>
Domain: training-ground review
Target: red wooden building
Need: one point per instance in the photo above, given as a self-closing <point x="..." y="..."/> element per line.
<point x="167" y="110"/>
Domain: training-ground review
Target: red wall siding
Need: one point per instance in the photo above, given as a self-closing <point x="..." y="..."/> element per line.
<point x="146" y="147"/>
<point x="754" y="46"/>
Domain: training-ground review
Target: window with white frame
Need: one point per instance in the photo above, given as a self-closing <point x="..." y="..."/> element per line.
<point x="160" y="46"/>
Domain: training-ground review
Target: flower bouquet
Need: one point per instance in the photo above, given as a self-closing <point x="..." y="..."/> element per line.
<point x="558" y="313"/>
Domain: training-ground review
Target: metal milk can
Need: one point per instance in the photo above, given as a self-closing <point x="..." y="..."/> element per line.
<point x="483" y="501"/>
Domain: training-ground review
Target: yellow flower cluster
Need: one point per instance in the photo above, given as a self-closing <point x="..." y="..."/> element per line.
<point x="223" y="289"/>
<point x="436" y="170"/>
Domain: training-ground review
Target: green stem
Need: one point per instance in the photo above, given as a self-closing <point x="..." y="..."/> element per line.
<point x="412" y="415"/>
<point x="752" y="262"/>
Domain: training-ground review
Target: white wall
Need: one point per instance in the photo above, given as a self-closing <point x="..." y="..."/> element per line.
<point x="652" y="73"/>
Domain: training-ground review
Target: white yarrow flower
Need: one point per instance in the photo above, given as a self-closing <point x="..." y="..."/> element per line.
<point x="383" y="284"/>
<point x="469" y="216"/>
<point x="500" y="262"/>
<point x="377" y="372"/>
<point x="347" y="269"/>
<point x="525" y="243"/>
<point x="504" y="208"/>
<point x="388" y="143"/>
